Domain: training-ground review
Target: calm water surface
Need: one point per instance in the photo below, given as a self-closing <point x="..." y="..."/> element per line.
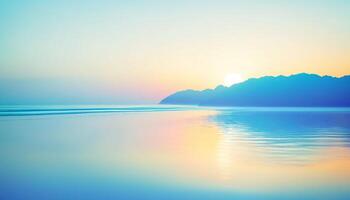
<point x="174" y="152"/>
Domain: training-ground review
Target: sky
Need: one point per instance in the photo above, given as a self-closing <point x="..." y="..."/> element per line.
<point x="137" y="52"/>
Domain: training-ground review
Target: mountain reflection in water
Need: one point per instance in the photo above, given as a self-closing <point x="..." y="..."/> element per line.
<point x="178" y="152"/>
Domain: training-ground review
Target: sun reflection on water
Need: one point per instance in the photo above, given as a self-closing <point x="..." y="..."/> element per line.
<point x="231" y="150"/>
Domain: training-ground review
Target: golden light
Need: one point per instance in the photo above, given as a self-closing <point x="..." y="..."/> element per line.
<point x="231" y="79"/>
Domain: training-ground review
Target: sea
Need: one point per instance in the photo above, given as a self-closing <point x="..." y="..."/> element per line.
<point x="173" y="152"/>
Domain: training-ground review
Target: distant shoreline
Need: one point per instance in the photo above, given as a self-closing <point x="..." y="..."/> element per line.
<point x="299" y="90"/>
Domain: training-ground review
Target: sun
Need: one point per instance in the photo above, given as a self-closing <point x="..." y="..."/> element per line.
<point x="231" y="79"/>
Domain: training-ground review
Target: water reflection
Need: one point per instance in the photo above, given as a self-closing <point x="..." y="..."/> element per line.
<point x="286" y="147"/>
<point x="289" y="135"/>
<point x="225" y="151"/>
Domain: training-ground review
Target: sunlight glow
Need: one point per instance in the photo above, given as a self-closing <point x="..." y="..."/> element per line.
<point x="231" y="79"/>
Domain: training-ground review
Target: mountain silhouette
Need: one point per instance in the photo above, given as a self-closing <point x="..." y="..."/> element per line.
<point x="296" y="90"/>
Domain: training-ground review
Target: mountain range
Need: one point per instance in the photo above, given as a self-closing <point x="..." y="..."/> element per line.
<point x="309" y="90"/>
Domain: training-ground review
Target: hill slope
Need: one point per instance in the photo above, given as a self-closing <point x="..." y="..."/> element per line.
<point x="295" y="90"/>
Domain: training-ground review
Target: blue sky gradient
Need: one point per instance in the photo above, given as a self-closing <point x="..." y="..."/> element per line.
<point x="140" y="51"/>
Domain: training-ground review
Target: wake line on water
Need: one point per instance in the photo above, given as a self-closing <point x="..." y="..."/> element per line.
<point x="27" y="111"/>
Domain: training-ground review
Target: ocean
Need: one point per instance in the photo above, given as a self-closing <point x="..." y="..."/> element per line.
<point x="174" y="152"/>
